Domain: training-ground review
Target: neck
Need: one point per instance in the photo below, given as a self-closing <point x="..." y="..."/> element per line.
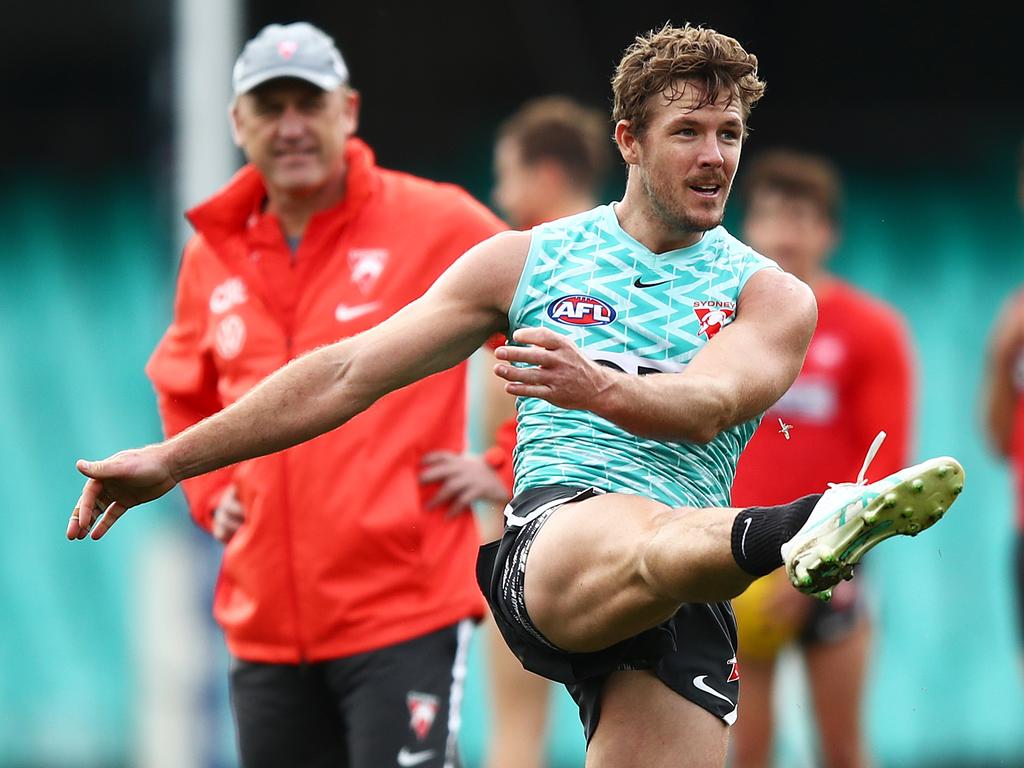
<point x="294" y="209"/>
<point x="638" y="218"/>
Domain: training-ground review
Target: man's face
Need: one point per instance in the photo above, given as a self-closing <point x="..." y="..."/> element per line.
<point x="295" y="133"/>
<point x="519" y="187"/>
<point x="791" y="230"/>
<point x="687" y="157"/>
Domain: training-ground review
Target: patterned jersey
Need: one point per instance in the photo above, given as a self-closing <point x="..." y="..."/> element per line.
<point x="641" y="313"/>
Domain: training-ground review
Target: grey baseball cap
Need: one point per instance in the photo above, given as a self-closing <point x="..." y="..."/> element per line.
<point x="290" y="50"/>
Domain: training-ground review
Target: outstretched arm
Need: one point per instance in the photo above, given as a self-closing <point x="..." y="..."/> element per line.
<point x="737" y="375"/>
<point x="321" y="390"/>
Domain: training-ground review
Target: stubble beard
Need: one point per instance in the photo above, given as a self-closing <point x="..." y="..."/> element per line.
<point x="676" y="217"/>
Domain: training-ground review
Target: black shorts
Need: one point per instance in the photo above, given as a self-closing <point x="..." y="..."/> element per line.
<point x="693" y="653"/>
<point x="393" y="706"/>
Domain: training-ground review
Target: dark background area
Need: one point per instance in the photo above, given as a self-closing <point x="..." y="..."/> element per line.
<point x="899" y="88"/>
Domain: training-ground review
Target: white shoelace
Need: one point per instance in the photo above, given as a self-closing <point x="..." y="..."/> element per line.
<point x="862" y="477"/>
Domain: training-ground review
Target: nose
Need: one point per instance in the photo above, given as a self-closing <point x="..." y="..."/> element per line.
<point x="291" y="124"/>
<point x="710" y="155"/>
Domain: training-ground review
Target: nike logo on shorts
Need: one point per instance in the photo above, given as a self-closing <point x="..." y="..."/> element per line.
<point x="700" y="685"/>
<point x="406" y="759"/>
<point x="345" y="313"/>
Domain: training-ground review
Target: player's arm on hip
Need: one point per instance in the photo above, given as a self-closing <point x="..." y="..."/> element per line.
<point x="736" y="376"/>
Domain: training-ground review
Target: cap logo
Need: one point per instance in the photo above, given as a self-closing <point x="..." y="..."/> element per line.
<point x="287" y="48"/>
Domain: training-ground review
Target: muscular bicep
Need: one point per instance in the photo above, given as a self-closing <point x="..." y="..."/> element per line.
<point x="455" y="317"/>
<point x="757" y="357"/>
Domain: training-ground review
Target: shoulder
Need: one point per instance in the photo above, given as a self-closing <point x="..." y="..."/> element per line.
<point x="780" y="298"/>
<point x="489" y="272"/>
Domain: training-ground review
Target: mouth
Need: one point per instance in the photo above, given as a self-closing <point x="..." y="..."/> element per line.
<point x="294" y="154"/>
<point x="709" y="191"/>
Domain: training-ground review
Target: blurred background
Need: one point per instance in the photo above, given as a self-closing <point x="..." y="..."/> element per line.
<point x="115" y="120"/>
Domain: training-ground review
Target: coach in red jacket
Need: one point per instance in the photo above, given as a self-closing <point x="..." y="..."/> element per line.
<point x="346" y="602"/>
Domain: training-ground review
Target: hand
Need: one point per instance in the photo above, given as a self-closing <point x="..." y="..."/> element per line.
<point x="559" y="372"/>
<point x="228" y="516"/>
<point x="464" y="479"/>
<point x="123" y="480"/>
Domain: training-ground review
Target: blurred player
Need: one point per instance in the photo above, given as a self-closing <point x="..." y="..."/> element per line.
<point x="856" y="380"/>
<point x="348" y="632"/>
<point x="550" y="161"/>
<point x="1004" y="411"/>
<point x="620" y="551"/>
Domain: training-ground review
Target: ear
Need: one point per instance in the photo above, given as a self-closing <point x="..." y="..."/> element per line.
<point x="235" y="119"/>
<point x="628" y="142"/>
<point x="350" y="109"/>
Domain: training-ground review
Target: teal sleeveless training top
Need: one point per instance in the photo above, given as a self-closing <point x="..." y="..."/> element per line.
<point x="641" y="313"/>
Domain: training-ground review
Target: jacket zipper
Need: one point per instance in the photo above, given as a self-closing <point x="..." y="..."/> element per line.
<point x="289" y="543"/>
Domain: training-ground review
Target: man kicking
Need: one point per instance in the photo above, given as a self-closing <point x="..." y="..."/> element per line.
<point x="647" y="342"/>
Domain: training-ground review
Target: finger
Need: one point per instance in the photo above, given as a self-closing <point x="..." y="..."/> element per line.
<point x="86" y="505"/>
<point x="528" y="390"/>
<point x="113" y="513"/>
<point x="73" y="527"/>
<point x="542" y="337"/>
<point x="438" y="474"/>
<point x="523" y="375"/>
<point x="95" y="469"/>
<point x="533" y="355"/>
<point x="435" y="456"/>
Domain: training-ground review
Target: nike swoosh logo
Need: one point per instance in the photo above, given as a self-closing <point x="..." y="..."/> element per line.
<point x="345" y="313"/>
<point x="699" y="683"/>
<point x="407" y="758"/>
<point x="743" y="541"/>
<point x="638" y="283"/>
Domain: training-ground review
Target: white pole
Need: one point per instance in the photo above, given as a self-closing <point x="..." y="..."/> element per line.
<point x="174" y="657"/>
<point x="207" y="41"/>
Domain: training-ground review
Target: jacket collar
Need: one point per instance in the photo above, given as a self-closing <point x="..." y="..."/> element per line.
<point x="239" y="203"/>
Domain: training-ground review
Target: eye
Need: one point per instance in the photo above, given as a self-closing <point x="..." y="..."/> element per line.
<point x="689" y="132"/>
<point x="730" y="135"/>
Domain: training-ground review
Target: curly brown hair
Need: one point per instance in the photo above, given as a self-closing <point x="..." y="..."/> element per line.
<point x="656" y="62"/>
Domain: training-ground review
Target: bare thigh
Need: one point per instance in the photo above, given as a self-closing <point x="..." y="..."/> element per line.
<point x="612" y="566"/>
<point x="645" y="723"/>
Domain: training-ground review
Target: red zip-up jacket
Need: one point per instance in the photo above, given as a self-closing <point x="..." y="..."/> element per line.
<point x="338" y="553"/>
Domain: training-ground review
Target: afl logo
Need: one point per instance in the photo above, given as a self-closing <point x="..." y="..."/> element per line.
<point x="580" y="310"/>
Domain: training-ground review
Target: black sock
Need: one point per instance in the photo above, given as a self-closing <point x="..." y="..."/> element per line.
<point x="759" y="532"/>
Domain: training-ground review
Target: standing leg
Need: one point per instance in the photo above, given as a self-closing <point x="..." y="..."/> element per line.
<point x="402" y="703"/>
<point x="284" y="715"/>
